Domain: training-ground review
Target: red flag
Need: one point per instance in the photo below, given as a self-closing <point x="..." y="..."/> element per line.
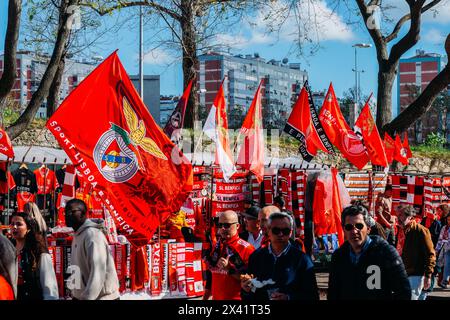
<point x="216" y="128"/>
<point x="406" y="146"/>
<point x="113" y="141"/>
<point x="176" y="120"/>
<point x="5" y="145"/>
<point x="400" y="153"/>
<point x="251" y="154"/>
<point x="339" y="132"/>
<point x="301" y="127"/>
<point x="372" y="140"/>
<point x="389" y="145"/>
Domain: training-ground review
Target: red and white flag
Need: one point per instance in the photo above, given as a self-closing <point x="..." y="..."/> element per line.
<point x="113" y="141"/>
<point x="5" y="145"/>
<point x="251" y="154"/>
<point x="339" y="132"/>
<point x="406" y="146"/>
<point x="400" y="153"/>
<point x="216" y="128"/>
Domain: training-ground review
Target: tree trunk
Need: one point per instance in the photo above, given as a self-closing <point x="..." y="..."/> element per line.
<point x="44" y="86"/>
<point x="386" y="77"/>
<point x="9" y="61"/>
<point x="54" y="92"/>
<point x="190" y="60"/>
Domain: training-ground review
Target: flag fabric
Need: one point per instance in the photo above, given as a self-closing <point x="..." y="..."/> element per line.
<point x="251" y="154"/>
<point x="301" y="126"/>
<point x="339" y="132"/>
<point x="400" y="153"/>
<point x="113" y="141"/>
<point x="406" y="146"/>
<point x="365" y="124"/>
<point x="175" y="123"/>
<point x="389" y="146"/>
<point x="5" y="145"/>
<point x="216" y="128"/>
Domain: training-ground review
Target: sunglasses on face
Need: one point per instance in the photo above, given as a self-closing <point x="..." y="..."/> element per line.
<point x="350" y="227"/>
<point x="285" y="231"/>
<point x="224" y="225"/>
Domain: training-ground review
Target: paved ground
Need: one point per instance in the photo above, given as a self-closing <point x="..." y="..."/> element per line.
<point x="322" y="282"/>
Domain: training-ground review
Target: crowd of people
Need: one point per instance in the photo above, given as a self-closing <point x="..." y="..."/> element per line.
<point x="389" y="256"/>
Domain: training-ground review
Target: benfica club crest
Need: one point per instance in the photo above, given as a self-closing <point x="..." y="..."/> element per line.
<point x="403" y="153"/>
<point x="117" y="152"/>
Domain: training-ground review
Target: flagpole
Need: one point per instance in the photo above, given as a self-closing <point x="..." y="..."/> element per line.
<point x="9" y="191"/>
<point x="141" y="54"/>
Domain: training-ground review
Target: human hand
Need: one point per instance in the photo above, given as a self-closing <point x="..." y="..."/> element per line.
<point x="246" y="282"/>
<point x="426" y="283"/>
<point x="222" y="263"/>
<point x="278" y="296"/>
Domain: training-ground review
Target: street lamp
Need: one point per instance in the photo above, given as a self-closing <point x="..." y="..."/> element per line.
<point x="358" y="45"/>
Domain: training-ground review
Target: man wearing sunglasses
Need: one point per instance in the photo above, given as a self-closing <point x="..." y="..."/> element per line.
<point x="229" y="258"/>
<point x="284" y="270"/>
<point x="365" y="267"/>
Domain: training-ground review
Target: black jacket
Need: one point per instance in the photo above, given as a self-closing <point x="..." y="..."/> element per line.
<point x="358" y="282"/>
<point x="31" y="288"/>
<point x="25" y="180"/>
<point x="292" y="273"/>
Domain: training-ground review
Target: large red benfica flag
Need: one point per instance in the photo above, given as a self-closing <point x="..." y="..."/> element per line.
<point x="389" y="145"/>
<point x="372" y="140"/>
<point x="251" y="154"/>
<point x="5" y="145"/>
<point x="339" y="132"/>
<point x="175" y="122"/>
<point x="301" y="126"/>
<point x="216" y="128"/>
<point x="113" y="141"/>
<point x="406" y="146"/>
<point x="400" y="153"/>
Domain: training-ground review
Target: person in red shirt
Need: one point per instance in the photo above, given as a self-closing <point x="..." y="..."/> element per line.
<point x="229" y="259"/>
<point x="8" y="269"/>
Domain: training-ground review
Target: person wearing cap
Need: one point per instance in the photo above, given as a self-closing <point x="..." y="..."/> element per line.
<point x="253" y="233"/>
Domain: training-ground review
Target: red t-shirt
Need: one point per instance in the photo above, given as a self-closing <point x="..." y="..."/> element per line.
<point x="46" y="180"/>
<point x="223" y="285"/>
<point x="6" y="292"/>
<point x="24" y="197"/>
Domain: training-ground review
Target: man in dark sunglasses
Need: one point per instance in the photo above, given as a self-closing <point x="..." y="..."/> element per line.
<point x="365" y="267"/>
<point x="287" y="270"/>
<point x="229" y="258"/>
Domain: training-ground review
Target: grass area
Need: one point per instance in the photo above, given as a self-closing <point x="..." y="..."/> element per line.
<point x="430" y="152"/>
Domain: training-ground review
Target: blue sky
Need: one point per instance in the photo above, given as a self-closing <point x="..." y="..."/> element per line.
<point x="334" y="62"/>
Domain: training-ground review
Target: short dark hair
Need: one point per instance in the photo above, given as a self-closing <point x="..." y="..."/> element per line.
<point x="279" y="200"/>
<point x="407" y="209"/>
<point x="82" y="204"/>
<point x="281" y="215"/>
<point x="354" y="210"/>
<point x="388" y="188"/>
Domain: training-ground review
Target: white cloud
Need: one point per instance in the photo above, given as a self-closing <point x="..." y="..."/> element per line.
<point x="434" y="36"/>
<point x="318" y="22"/>
<point x="158" y="56"/>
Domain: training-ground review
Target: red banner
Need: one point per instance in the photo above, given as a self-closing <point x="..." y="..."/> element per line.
<point x="113" y="141"/>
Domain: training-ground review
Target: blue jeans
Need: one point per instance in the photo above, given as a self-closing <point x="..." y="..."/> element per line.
<point x="416" y="283"/>
<point x="446" y="267"/>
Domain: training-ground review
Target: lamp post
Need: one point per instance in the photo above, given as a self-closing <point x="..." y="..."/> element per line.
<point x="358" y="45"/>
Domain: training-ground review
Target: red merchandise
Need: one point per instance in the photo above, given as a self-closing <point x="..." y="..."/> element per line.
<point x="400" y="153"/>
<point x="322" y="206"/>
<point x="121" y="151"/>
<point x="156" y="269"/>
<point x="6" y="291"/>
<point x="339" y="132"/>
<point x="194" y="271"/>
<point x="406" y="146"/>
<point x="68" y="188"/>
<point x="389" y="145"/>
<point x="181" y="269"/>
<point x="24" y="197"/>
<point x="46" y="180"/>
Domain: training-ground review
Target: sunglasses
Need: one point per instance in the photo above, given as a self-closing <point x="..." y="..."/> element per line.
<point x="285" y="231"/>
<point x="350" y="227"/>
<point x="225" y="225"/>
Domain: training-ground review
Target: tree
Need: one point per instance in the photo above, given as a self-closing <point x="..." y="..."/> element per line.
<point x="388" y="63"/>
<point x="12" y="33"/>
<point x="185" y="19"/>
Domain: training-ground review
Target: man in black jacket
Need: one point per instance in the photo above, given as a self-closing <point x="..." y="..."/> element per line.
<point x="365" y="267"/>
<point x="279" y="271"/>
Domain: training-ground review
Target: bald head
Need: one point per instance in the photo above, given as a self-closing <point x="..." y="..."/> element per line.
<point x="228" y="224"/>
<point x="264" y="214"/>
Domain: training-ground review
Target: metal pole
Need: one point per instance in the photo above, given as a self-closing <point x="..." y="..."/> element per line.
<point x="356" y="80"/>
<point x="141" y="54"/>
